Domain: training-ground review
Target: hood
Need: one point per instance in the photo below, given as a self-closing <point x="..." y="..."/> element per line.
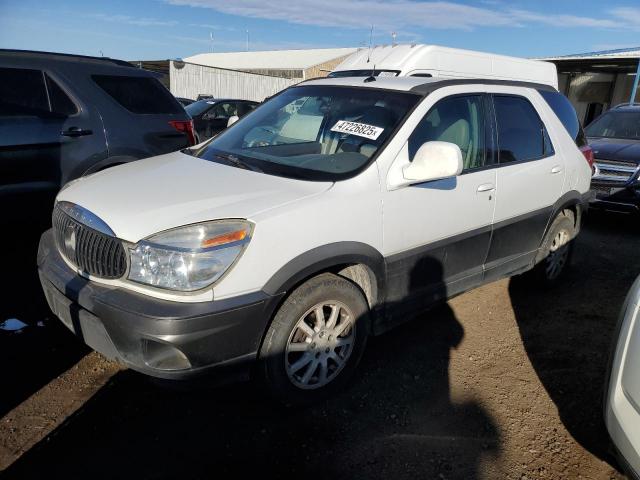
<point x="615" y="149"/>
<point x="148" y="196"/>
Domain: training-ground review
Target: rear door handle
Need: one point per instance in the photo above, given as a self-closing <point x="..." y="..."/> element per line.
<point x="556" y="169"/>
<point x="76" y="132"/>
<point x="486" y="187"/>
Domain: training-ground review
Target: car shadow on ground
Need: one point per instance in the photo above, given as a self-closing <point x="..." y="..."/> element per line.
<point x="40" y="348"/>
<point x="396" y="420"/>
<point x="567" y="331"/>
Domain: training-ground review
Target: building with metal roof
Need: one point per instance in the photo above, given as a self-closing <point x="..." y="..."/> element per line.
<point x="597" y="81"/>
<point x="298" y="64"/>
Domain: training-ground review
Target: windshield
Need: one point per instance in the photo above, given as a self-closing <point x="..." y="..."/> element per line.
<point x="616" y="124"/>
<point x="364" y="73"/>
<point x="196" y="108"/>
<point x="313" y="132"/>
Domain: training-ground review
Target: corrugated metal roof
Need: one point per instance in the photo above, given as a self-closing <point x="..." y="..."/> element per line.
<point x="613" y="54"/>
<point x="271" y="59"/>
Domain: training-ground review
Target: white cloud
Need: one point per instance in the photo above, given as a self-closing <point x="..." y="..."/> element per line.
<point x="410" y="13"/>
<point x="139" y="22"/>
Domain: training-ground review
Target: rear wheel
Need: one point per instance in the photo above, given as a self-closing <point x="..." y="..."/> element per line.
<point x="315" y="340"/>
<point x="556" y="251"/>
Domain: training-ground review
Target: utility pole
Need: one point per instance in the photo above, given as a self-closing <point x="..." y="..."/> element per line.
<point x="635" y="85"/>
<point x="247" y="39"/>
<point x="393" y="38"/>
<point x="211" y="38"/>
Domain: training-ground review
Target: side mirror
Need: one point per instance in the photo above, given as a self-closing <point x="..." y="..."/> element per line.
<point x="434" y="161"/>
<point x="233" y="119"/>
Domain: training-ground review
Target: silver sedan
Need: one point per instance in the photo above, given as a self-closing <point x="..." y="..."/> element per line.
<point x="622" y="401"/>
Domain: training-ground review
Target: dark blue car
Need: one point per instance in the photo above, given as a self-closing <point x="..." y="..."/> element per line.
<point x="615" y="139"/>
<point x="65" y="116"/>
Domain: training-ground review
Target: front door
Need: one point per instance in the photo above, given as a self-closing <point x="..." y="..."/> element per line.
<point x="437" y="234"/>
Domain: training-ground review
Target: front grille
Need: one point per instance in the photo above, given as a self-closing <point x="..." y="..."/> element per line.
<point x="614" y="171"/>
<point x="91" y="251"/>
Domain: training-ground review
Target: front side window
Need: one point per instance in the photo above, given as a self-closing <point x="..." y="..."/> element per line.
<point x="459" y="120"/>
<point x="313" y="132"/>
<point x="142" y="95"/>
<point x="521" y="133"/>
<point x="616" y="124"/>
<point x="224" y="110"/>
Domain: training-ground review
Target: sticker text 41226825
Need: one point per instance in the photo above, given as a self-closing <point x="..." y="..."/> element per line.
<point x="360" y="129"/>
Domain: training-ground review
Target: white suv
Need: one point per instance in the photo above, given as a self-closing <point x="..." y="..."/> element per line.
<point x="337" y="209"/>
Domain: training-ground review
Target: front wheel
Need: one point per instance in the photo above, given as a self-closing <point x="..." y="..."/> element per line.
<point x="315" y="341"/>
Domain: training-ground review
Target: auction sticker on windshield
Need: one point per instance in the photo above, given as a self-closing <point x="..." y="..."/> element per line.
<point x="360" y="129"/>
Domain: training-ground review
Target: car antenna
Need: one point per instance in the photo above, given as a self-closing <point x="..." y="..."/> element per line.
<point x="372" y="77"/>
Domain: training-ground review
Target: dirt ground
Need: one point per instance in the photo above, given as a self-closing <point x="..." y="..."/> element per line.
<point x="502" y="382"/>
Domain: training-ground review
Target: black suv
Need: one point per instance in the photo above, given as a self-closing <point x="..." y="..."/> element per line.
<point x="210" y="117"/>
<point x="615" y="139"/>
<point x="65" y="116"/>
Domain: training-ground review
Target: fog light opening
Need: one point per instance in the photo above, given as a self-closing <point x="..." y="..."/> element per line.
<point x="162" y="356"/>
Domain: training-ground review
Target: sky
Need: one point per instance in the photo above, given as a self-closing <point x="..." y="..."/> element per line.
<point x="163" y="29"/>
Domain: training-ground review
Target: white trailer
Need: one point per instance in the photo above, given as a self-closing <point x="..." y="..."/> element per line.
<point x="443" y="62"/>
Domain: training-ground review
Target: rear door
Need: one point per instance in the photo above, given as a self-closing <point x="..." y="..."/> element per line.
<point x="530" y="180"/>
<point x="45" y="131"/>
<point x="139" y="114"/>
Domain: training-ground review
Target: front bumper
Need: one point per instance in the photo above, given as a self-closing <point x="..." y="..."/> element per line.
<point x="617" y="198"/>
<point x="170" y="340"/>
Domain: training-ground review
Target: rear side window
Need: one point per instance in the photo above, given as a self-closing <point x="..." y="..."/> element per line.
<point x="22" y="92"/>
<point x="521" y="133"/>
<point x="566" y="114"/>
<point x="27" y="92"/>
<point x="143" y="95"/>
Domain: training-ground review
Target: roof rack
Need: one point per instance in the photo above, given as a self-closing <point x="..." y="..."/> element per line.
<point x="115" y="61"/>
<point x="627" y="104"/>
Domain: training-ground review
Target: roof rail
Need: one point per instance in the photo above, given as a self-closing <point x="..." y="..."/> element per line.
<point x="115" y="61"/>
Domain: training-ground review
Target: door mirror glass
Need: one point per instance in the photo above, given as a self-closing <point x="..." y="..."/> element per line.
<point x="233" y="119"/>
<point x="434" y="161"/>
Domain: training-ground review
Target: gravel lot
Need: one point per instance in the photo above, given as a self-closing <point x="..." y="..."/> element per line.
<point x="503" y="382"/>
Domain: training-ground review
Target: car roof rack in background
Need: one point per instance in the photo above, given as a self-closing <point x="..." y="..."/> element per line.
<point x="114" y="61"/>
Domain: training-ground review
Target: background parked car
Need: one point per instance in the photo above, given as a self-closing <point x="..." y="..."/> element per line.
<point x="615" y="139"/>
<point x="212" y="116"/>
<point x="184" y="101"/>
<point x="65" y="116"/>
<point x="622" y="400"/>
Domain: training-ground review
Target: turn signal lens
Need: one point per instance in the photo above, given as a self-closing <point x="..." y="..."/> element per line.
<point x="225" y="238"/>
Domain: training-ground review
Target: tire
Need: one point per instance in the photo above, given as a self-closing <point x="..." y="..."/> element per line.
<point x="555" y="252"/>
<point x="303" y="360"/>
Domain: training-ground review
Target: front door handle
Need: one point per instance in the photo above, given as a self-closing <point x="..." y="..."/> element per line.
<point x="486" y="187"/>
<point x="76" y="132"/>
<point x="556" y="169"/>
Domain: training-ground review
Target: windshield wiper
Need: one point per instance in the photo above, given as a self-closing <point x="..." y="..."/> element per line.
<point x="236" y="162"/>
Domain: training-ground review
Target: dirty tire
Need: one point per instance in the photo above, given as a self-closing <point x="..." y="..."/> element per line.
<point x="333" y="353"/>
<point x="555" y="252"/>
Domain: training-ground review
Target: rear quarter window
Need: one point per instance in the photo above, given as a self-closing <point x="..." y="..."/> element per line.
<point x="141" y="95"/>
<point x="565" y="112"/>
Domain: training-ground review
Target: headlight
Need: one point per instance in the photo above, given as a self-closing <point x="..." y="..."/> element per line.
<point x="189" y="258"/>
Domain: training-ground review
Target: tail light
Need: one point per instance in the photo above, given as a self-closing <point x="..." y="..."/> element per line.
<point x="185" y="126"/>
<point x="587" y="151"/>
